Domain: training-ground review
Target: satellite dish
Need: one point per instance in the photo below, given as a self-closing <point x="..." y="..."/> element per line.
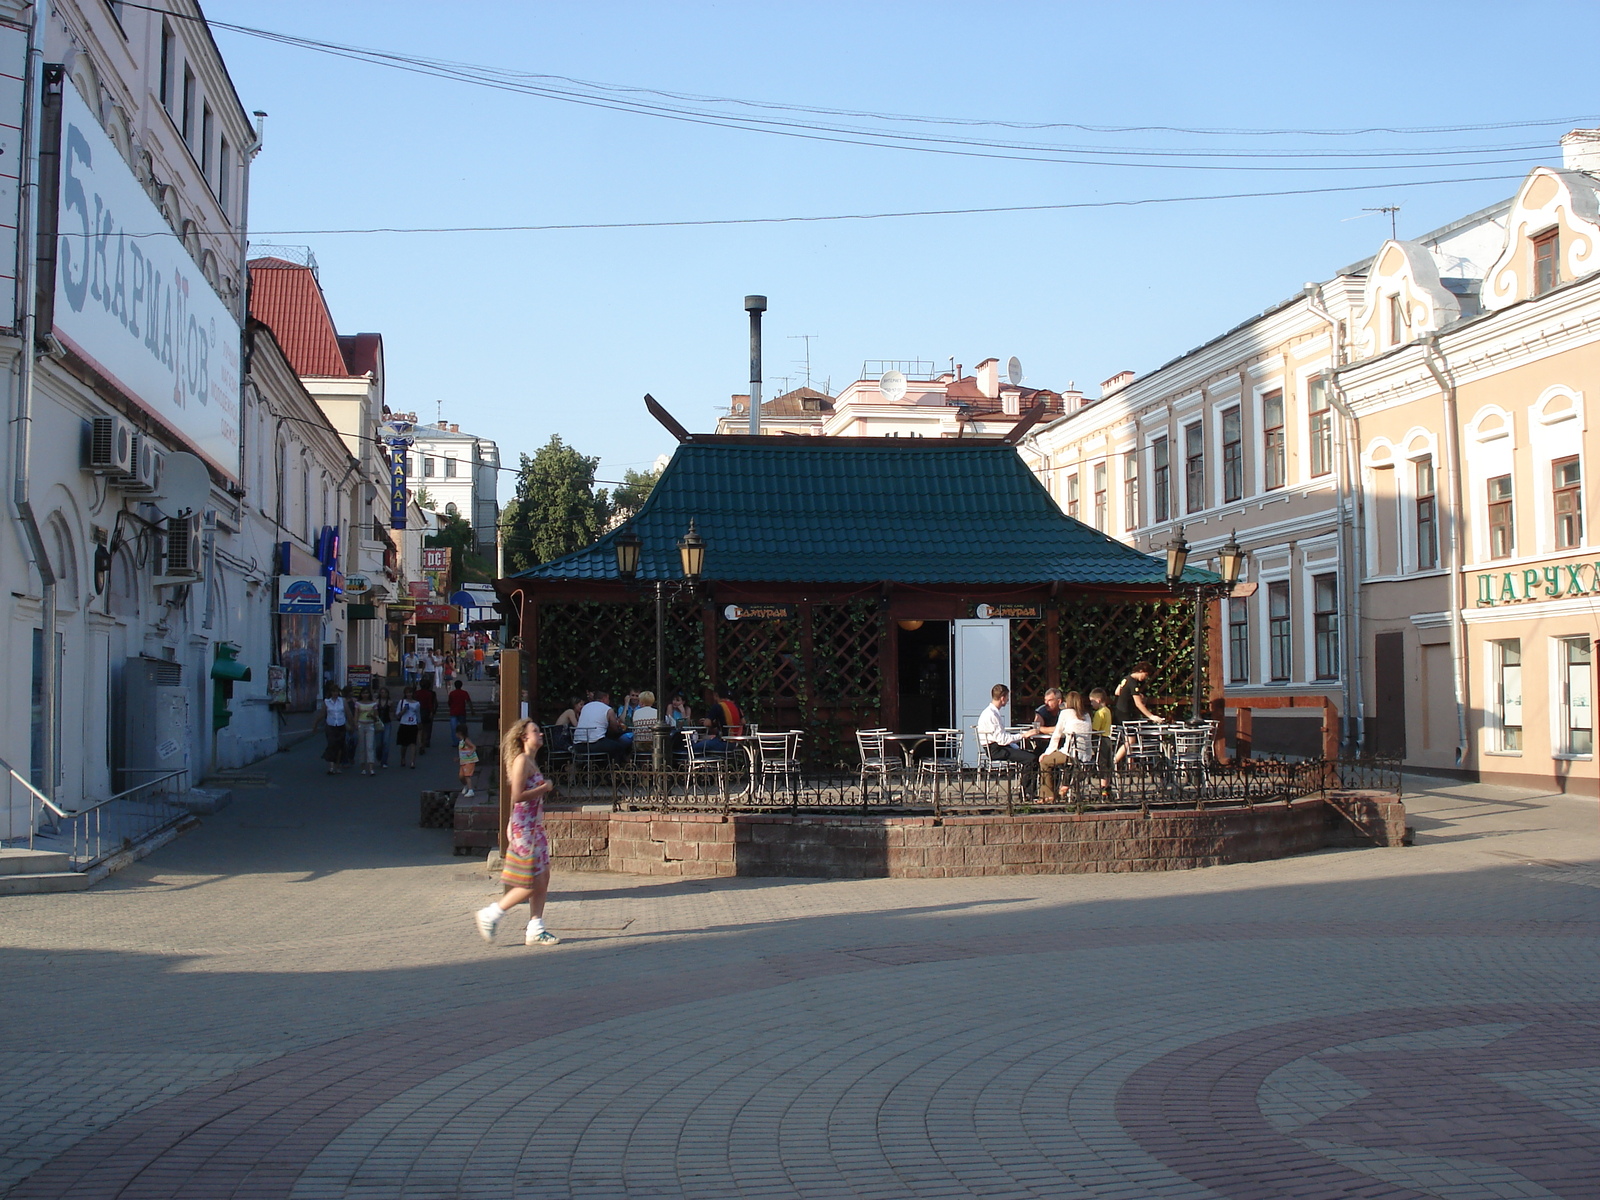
<point x="892" y="385"/>
<point x="1014" y="371"/>
<point x="185" y="485"/>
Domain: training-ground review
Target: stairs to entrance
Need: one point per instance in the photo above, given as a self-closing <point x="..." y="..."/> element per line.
<point x="32" y="871"/>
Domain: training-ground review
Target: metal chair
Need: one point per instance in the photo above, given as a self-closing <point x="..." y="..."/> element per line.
<point x="777" y="757"/>
<point x="993" y="770"/>
<point x="557" y="747"/>
<point x="698" y="763"/>
<point x="876" y="761"/>
<point x="943" y="761"/>
<point x="644" y="743"/>
<point x="1191" y="754"/>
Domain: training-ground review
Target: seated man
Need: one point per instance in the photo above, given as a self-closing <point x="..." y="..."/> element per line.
<point x="994" y="741"/>
<point x="723" y="706"/>
<point x="599" y="730"/>
<point x="1045" y="719"/>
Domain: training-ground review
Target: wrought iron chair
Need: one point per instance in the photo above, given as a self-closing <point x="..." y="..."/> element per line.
<point x="942" y="763"/>
<point x="699" y="764"/>
<point x="557" y="748"/>
<point x="778" y="757"/>
<point x="995" y="770"/>
<point x="876" y="762"/>
<point x="1191" y="755"/>
<point x="644" y="744"/>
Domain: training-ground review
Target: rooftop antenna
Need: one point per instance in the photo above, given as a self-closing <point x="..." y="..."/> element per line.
<point x="1014" y="371"/>
<point x="892" y="386"/>
<point x="806" y="338"/>
<point x="438" y="409"/>
<point x="1391" y="209"/>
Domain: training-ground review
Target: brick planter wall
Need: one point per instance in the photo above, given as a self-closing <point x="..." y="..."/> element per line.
<point x="711" y="844"/>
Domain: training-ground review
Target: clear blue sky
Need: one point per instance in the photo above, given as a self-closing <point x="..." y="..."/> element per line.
<point x="520" y="335"/>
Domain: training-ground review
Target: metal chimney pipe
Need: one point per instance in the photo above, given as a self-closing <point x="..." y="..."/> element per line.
<point x="755" y="306"/>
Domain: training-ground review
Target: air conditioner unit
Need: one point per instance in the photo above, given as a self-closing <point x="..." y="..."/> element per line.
<point x="110" y="446"/>
<point x="145" y="474"/>
<point x="181" y="560"/>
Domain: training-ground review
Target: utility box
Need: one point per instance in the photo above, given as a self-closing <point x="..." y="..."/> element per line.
<point x="155" y="728"/>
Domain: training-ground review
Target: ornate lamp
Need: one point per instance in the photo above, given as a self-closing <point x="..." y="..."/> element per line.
<point x="1177" y="558"/>
<point x="692" y="551"/>
<point x="628" y="544"/>
<point x="1230" y="560"/>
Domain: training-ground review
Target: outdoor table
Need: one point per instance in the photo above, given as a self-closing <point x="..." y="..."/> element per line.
<point x="751" y="747"/>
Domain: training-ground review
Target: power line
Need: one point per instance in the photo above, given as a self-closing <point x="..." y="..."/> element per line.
<point x="881" y="216"/>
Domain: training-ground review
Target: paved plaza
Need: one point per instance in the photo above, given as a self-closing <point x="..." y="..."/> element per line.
<point x="290" y="1001"/>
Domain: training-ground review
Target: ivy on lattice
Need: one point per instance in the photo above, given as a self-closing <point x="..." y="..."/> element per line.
<point x="586" y="644"/>
<point x="1099" y="642"/>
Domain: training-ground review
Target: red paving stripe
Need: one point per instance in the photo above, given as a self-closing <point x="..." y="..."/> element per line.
<point x="253" y="1133"/>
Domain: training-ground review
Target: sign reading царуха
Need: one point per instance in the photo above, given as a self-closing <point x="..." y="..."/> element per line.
<point x="1548" y="582"/>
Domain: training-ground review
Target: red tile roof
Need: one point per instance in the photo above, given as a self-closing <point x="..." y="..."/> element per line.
<point x="287" y="298"/>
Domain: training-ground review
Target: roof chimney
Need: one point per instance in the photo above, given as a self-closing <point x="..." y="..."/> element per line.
<point x="1580" y="151"/>
<point x="1010" y="401"/>
<point x="740" y="403"/>
<point x="1116" y="383"/>
<point x="1072" y="398"/>
<point x="454" y="428"/>
<point x="989" y="378"/>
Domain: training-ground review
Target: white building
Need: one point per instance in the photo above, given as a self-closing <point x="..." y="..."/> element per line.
<point x="126" y="578"/>
<point x="461" y="472"/>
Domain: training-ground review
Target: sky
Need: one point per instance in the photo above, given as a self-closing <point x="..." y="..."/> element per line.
<point x="521" y="335"/>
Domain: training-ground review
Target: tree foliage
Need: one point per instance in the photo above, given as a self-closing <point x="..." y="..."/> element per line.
<point x="466" y="565"/>
<point x="556" y="509"/>
<point x="634" y="490"/>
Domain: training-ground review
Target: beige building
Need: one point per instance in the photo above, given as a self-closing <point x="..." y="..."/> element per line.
<point x="1401" y="449"/>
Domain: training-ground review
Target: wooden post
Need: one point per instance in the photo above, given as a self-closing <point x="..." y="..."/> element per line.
<point x="889" y="673"/>
<point x="708" y="620"/>
<point x="1241" y="732"/>
<point x="510" y="711"/>
<point x="1052" y="645"/>
<point x="1215" y="707"/>
<point x="528" y="678"/>
<point x="808" y="672"/>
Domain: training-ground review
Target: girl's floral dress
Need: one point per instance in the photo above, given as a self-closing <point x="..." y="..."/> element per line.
<point x="527" y="847"/>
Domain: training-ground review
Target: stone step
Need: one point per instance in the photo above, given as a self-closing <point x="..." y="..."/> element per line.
<point x="45" y="881"/>
<point x="31" y="862"/>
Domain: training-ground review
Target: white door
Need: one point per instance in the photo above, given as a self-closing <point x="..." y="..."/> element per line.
<point x="981" y="654"/>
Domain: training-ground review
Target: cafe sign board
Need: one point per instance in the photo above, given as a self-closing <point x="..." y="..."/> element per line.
<point x="1545" y="582"/>
<point x="1010" y="612"/>
<point x="759" y="612"/>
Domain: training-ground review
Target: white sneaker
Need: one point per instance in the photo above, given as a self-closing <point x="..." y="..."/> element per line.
<point x="543" y="938"/>
<point x="468" y="792"/>
<point x="488" y="919"/>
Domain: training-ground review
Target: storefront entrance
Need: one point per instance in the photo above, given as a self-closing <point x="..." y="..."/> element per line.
<point x="924" y="675"/>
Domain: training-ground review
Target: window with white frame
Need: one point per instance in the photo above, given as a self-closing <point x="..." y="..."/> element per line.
<point x="1506" y="697"/>
<point x="1319" y="427"/>
<point x="1100" y="497"/>
<point x="1130" y="490"/>
<point x="1397" y="320"/>
<point x="1238" y="640"/>
<point x="1160" y="480"/>
<point x="427" y="467"/>
<point x="1280" y="631"/>
<point x="1232" y="456"/>
<point x="1502" y="530"/>
<point x="1274" y="457"/>
<point x="1577" y="689"/>
<point x="1325" y="624"/>
<point x="1546" y="261"/>
<point x="1427" y="516"/>
<point x="1072" y="495"/>
<point x="1194" y="467"/>
<point x="1567" y="495"/>
<point x="449" y="468"/>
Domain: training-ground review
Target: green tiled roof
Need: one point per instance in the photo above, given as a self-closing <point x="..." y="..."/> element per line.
<point x="830" y="510"/>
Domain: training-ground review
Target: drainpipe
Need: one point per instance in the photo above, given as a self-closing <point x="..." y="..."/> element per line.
<point x="1350" y="543"/>
<point x="22" y="421"/>
<point x="1440" y="370"/>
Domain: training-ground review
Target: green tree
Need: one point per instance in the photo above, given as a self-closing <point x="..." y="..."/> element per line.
<point x="466" y="566"/>
<point x="632" y="493"/>
<point x="556" y="509"/>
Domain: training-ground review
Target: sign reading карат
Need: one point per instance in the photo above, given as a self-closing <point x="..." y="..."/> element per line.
<point x="131" y="302"/>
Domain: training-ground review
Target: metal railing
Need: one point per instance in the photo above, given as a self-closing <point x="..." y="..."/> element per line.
<point x="101" y="828"/>
<point x="1083" y="786"/>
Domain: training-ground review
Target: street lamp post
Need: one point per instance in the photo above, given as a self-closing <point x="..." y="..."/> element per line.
<point x="1230" y="560"/>
<point x="691" y="559"/>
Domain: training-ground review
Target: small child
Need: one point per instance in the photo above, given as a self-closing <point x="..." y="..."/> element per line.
<point x="467" y="756"/>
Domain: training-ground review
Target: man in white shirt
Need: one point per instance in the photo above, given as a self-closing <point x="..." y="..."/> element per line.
<point x="994" y="741"/>
<point x="599" y="728"/>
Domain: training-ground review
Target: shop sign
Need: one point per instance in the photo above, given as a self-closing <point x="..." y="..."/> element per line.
<point x="302" y="595"/>
<point x="759" y="612"/>
<point x="438" y="614"/>
<point x="359" y="676"/>
<point x="1538" y="583"/>
<point x="131" y="302"/>
<point x="436" y="558"/>
<point x="357" y="585"/>
<point x="419" y="589"/>
<point x="1009" y="612"/>
<point x="277" y="684"/>
<point x="397" y="488"/>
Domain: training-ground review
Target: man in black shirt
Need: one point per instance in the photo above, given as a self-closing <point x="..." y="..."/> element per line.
<point x="1128" y="702"/>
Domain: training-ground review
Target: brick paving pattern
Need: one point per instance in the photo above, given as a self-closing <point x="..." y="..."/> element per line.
<point x="289" y="1001"/>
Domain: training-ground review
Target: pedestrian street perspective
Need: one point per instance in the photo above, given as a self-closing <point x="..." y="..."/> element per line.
<point x="546" y="674"/>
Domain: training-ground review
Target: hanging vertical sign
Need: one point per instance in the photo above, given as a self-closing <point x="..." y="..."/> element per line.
<point x="397" y="487"/>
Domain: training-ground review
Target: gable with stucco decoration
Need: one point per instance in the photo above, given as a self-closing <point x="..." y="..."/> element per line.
<point x="1565" y="201"/>
<point x="1407" y="270"/>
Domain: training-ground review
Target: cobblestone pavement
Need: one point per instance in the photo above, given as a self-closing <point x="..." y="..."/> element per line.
<point x="289" y="1001"/>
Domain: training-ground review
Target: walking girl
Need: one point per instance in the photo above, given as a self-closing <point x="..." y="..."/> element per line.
<point x="367" y="732"/>
<point x="467" y="760"/>
<point x="334" y="715"/>
<point x="526" y="870"/>
<point x="409" y="713"/>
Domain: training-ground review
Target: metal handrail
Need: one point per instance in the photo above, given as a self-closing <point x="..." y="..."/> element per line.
<point x="37" y="794"/>
<point x="89" y="836"/>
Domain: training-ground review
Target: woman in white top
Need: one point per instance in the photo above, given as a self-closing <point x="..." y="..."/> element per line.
<point x="1073" y="738"/>
<point x="409" y="715"/>
<point x="335" y="716"/>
